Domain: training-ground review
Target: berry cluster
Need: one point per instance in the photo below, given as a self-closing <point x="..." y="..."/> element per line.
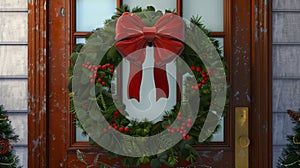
<point x="99" y="72"/>
<point x="204" y="77"/>
<point x="114" y="125"/>
<point x="182" y="130"/>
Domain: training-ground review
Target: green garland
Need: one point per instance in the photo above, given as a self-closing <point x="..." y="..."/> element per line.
<point x="101" y="75"/>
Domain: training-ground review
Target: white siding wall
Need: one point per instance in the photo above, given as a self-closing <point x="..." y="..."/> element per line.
<point x="13" y="69"/>
<point x="286" y="70"/>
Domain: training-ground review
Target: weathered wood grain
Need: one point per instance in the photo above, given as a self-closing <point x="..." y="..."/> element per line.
<point x="13" y="94"/>
<point x="19" y="122"/>
<point x="13" y="4"/>
<point x="286" y="27"/>
<point x="22" y="153"/>
<point x="13" y="60"/>
<point x="282" y="126"/>
<point x="286" y="4"/>
<point x="13" y="27"/>
<point x="286" y="95"/>
<point x="286" y="61"/>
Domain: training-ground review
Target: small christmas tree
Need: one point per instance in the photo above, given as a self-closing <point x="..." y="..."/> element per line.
<point x="291" y="154"/>
<point x="8" y="158"/>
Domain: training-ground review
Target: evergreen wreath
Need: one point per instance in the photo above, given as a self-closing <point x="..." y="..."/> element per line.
<point x="102" y="74"/>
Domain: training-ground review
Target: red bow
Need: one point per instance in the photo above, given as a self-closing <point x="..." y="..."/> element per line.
<point x="133" y="36"/>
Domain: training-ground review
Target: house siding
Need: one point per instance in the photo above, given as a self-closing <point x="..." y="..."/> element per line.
<point x="13" y="69"/>
<point x="286" y="73"/>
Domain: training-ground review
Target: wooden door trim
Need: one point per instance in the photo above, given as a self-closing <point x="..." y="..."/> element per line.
<point x="261" y="87"/>
<point x="261" y="153"/>
<point x="37" y="83"/>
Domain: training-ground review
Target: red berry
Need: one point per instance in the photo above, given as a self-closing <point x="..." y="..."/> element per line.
<point x="184" y="138"/>
<point x="203" y="81"/>
<point x="169" y="126"/>
<point x="116" y="113"/>
<point x="198" y="69"/>
<point x="192" y="68"/>
<point x="109" y="127"/>
<point x="104" y="130"/>
<point x="189" y="125"/>
<point x="112" y="70"/>
<point x="99" y="80"/>
<point x="102" y="74"/>
<point x="188" y="137"/>
<point x="111" y="67"/>
<point x="116" y="127"/>
<point x="103" y="83"/>
<point x="179" y="113"/>
<point x="190" y="120"/>
<point x="92" y="80"/>
<point x="104" y="67"/>
<point x="199" y="85"/>
<point x="88" y="63"/>
<point x="126" y="129"/>
<point x="121" y="129"/>
<point x="108" y="64"/>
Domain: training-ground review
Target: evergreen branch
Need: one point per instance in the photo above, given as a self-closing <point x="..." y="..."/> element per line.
<point x="103" y="102"/>
<point x="9" y="164"/>
<point x="290" y="164"/>
<point x="294" y="115"/>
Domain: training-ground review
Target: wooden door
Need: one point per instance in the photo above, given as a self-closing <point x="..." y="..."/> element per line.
<point x="53" y="31"/>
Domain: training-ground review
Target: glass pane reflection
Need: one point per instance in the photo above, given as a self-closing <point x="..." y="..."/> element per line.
<point x="219" y="135"/>
<point x="158" y="4"/>
<point x="91" y="14"/>
<point x="221" y="45"/>
<point x="212" y="12"/>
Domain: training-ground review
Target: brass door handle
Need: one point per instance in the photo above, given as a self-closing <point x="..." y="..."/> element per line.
<point x="244" y="141"/>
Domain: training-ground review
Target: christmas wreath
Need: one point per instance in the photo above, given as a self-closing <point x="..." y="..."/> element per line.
<point x="92" y="93"/>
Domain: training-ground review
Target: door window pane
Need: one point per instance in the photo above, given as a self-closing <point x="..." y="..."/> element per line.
<point x="210" y="10"/>
<point x="221" y="45"/>
<point x="80" y="40"/>
<point x="91" y="14"/>
<point x="158" y="4"/>
<point x="80" y="137"/>
<point x="219" y="135"/>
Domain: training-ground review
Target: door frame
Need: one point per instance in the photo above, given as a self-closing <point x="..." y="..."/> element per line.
<point x="256" y="15"/>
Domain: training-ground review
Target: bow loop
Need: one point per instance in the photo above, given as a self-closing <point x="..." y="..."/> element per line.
<point x="166" y="37"/>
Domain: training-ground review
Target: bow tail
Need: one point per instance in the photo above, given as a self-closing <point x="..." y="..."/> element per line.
<point x="134" y="81"/>
<point x="161" y="82"/>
